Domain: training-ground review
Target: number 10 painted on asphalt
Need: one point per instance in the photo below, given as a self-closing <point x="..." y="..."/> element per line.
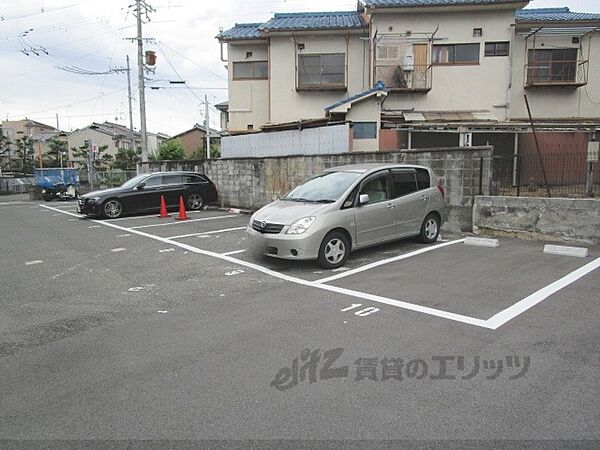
<point x="363" y="312"/>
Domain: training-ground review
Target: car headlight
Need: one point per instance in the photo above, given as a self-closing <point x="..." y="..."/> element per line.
<point x="94" y="199"/>
<point x="301" y="225"/>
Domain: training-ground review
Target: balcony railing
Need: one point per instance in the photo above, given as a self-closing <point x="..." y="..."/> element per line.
<point x="413" y="78"/>
<point x="557" y="73"/>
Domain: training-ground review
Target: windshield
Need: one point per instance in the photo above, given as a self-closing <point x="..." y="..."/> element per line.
<point x="326" y="187"/>
<point x="134" y="181"/>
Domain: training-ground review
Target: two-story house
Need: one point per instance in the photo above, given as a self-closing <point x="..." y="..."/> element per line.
<point x="38" y="132"/>
<point x="421" y="73"/>
<point x="112" y="136"/>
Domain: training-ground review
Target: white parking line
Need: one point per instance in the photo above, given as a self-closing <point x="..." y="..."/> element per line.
<point x="180" y="222"/>
<point x="146" y="216"/>
<point x="61" y="207"/>
<point x="235" y="252"/>
<point x="16" y="202"/>
<point x="493" y="323"/>
<point x="300" y="281"/>
<point x="387" y="261"/>
<point x="206" y="232"/>
<point x="520" y="307"/>
<point x="31" y="263"/>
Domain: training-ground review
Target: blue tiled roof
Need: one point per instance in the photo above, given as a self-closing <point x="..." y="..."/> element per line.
<point x="241" y="31"/>
<point x="315" y="21"/>
<point x="377" y="88"/>
<point x="416" y="3"/>
<point x="554" y="15"/>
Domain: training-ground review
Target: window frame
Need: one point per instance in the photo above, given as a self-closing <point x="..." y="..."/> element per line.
<point x="495" y="47"/>
<point x="153" y="177"/>
<point x="533" y="76"/>
<point x="253" y="71"/>
<point x="164" y="183"/>
<point x="370" y="178"/>
<point x="429" y="178"/>
<point x="413" y="172"/>
<point x="201" y="179"/>
<point x="362" y="124"/>
<point x="321" y="86"/>
<point x="454" y="62"/>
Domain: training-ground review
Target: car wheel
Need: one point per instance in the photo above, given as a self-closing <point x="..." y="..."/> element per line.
<point x="112" y="209"/>
<point x="195" y="202"/>
<point x="430" y="229"/>
<point x="334" y="250"/>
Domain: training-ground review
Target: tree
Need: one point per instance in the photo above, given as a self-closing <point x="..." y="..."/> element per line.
<point x="26" y="154"/>
<point x="171" y="149"/>
<point x="127" y="158"/>
<point x="57" y="148"/>
<point x="102" y="161"/>
<point x="200" y="153"/>
<point x="5" y="154"/>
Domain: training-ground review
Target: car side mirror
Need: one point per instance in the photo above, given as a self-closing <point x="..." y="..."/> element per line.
<point x="140" y="186"/>
<point x="363" y="199"/>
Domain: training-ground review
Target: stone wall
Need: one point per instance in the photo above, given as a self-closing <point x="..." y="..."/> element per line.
<point x="253" y="182"/>
<point x="565" y="218"/>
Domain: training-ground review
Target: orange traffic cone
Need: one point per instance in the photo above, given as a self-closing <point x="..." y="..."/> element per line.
<point x="182" y="213"/>
<point x="163" y="208"/>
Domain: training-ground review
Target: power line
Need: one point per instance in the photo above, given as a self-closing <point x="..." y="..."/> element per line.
<point x="42" y="10"/>
<point x="54" y="108"/>
<point x="193" y="62"/>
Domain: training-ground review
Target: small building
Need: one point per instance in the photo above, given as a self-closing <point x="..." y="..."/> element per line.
<point x="38" y="132"/>
<point x="194" y="139"/>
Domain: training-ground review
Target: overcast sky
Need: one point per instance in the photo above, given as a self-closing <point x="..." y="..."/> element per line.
<point x="89" y="35"/>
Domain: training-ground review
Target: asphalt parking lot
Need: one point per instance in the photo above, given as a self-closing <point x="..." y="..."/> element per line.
<point x="153" y="328"/>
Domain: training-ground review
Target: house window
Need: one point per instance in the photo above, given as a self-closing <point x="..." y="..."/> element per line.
<point x="364" y="130"/>
<point x="322" y="71"/>
<point x="390" y="52"/>
<point x="250" y="70"/>
<point x="456" y="54"/>
<point x="496" y="48"/>
<point x="558" y="65"/>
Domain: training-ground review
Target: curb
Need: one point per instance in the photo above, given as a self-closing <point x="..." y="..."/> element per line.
<point x="229" y="210"/>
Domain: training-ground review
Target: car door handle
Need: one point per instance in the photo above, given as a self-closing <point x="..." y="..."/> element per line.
<point x="390" y="206"/>
<point x="424" y="197"/>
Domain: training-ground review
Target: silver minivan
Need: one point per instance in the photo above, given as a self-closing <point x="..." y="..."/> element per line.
<point x="349" y="207"/>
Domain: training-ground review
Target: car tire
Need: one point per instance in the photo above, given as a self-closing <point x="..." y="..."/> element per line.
<point x="430" y="229"/>
<point x="334" y="250"/>
<point x="195" y="202"/>
<point x="112" y="209"/>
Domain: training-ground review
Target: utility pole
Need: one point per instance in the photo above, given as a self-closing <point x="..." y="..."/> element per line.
<point x="592" y="159"/>
<point x="130" y="132"/>
<point x="141" y="81"/>
<point x="207" y="126"/>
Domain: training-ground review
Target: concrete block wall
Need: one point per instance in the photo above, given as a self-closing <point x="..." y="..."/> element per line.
<point x="253" y="182"/>
<point x="565" y="218"/>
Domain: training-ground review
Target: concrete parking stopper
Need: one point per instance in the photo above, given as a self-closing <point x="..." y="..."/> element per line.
<point x="580" y="252"/>
<point x="482" y="242"/>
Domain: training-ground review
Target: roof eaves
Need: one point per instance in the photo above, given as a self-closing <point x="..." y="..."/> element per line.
<point x="388" y="4"/>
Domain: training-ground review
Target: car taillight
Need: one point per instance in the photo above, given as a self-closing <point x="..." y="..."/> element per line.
<point x="442" y="191"/>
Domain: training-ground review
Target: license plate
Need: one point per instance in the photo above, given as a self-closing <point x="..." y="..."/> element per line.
<point x="79" y="208"/>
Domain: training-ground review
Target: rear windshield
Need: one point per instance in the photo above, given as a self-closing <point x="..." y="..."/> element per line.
<point x="325" y="188"/>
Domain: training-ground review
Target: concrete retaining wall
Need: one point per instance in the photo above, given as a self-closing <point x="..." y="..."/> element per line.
<point x="253" y="182"/>
<point x="565" y="218"/>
